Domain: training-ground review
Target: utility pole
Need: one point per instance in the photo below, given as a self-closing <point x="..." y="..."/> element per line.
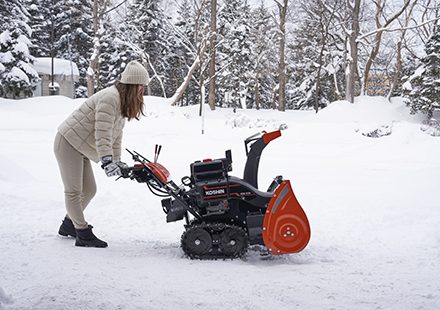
<point x="52" y="90"/>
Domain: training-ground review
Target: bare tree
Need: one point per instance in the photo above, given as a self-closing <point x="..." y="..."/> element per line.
<point x="198" y="49"/>
<point x="325" y="19"/>
<point x="398" y="67"/>
<point x="352" y="49"/>
<point x="425" y="14"/>
<point x="381" y="26"/>
<point x="93" y="68"/>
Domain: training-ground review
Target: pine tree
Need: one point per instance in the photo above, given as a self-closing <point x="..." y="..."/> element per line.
<point x="173" y="62"/>
<point x="115" y="53"/>
<point x="235" y="53"/>
<point x="263" y="57"/>
<point x="146" y="25"/>
<point x="184" y="51"/>
<point x="74" y="30"/>
<point x="17" y="76"/>
<point x="39" y="22"/>
<point x="305" y="59"/>
<point x="422" y="93"/>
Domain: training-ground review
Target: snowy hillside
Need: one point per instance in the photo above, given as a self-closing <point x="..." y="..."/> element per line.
<point x="372" y="204"/>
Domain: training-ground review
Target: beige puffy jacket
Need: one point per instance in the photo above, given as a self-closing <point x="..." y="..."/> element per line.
<point x="95" y="128"/>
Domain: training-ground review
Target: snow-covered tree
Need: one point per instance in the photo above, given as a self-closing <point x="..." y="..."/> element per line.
<point x="75" y="37"/>
<point x="115" y="53"/>
<point x="145" y="23"/>
<point x="39" y="22"/>
<point x="193" y="29"/>
<point x="315" y="57"/>
<point x="234" y="53"/>
<point x="17" y="77"/>
<point x="422" y="90"/>
<point x="182" y="53"/>
<point x="263" y="57"/>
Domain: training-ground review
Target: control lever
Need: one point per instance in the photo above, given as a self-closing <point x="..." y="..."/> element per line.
<point x="277" y="181"/>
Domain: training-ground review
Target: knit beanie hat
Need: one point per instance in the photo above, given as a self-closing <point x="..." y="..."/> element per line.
<point x="134" y="73"/>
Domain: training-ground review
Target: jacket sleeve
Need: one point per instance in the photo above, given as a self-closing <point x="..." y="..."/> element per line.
<point x="117" y="147"/>
<point x="105" y="115"/>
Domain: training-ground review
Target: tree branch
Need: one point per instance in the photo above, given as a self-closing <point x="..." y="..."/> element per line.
<point x="385" y="29"/>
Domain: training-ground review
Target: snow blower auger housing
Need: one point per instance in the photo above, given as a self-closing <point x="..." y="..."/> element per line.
<point x="225" y="214"/>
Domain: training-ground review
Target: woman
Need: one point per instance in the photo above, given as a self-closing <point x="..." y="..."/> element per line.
<point x="94" y="132"/>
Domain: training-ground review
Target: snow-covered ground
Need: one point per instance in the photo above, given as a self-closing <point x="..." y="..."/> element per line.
<point x="372" y="204"/>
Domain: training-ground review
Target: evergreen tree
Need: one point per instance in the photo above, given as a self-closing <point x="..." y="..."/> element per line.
<point x="188" y="33"/>
<point x="235" y="53"/>
<point x="422" y="93"/>
<point x="115" y="53"/>
<point x="39" y="22"/>
<point x="305" y="59"/>
<point x="74" y="37"/>
<point x="17" y="76"/>
<point x="185" y="26"/>
<point x="173" y="62"/>
<point x="263" y="57"/>
<point x="146" y="25"/>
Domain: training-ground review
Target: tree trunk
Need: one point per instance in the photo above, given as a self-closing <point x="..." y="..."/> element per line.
<point x="397" y="74"/>
<point x="257" y="91"/>
<point x="93" y="66"/>
<point x="181" y="90"/>
<point x="282" y="65"/>
<point x="318" y="74"/>
<point x="211" y="92"/>
<point x="351" y="72"/>
<point x="274" y="96"/>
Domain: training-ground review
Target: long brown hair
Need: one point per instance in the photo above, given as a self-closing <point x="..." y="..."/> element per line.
<point x="132" y="102"/>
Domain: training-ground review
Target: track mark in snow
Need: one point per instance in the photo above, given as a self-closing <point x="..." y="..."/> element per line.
<point x="5" y="299"/>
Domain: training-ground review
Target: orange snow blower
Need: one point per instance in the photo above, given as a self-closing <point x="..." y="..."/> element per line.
<point x="225" y="214"/>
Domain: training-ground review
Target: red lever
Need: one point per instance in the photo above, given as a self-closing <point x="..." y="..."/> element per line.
<point x="267" y="137"/>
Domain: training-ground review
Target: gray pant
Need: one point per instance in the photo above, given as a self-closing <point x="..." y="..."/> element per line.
<point x="79" y="182"/>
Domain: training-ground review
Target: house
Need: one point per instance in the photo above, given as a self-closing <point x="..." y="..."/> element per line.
<point x="65" y="75"/>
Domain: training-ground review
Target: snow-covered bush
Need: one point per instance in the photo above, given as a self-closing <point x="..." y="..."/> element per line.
<point x="432" y="127"/>
<point x="238" y="120"/>
<point x="377" y="131"/>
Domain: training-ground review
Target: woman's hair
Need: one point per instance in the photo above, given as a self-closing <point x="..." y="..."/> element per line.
<point x="132" y="102"/>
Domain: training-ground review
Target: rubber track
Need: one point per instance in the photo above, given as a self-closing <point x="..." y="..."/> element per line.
<point x="215" y="252"/>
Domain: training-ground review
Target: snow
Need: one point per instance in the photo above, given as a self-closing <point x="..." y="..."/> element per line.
<point x="21" y="47"/>
<point x="407" y="86"/>
<point x="16" y="74"/>
<point x="27" y="68"/>
<point x="24" y="39"/>
<point x="5" y="37"/>
<point x="43" y="65"/>
<point x="6" y="57"/>
<point x="419" y="71"/>
<point x="55" y="84"/>
<point x="372" y="204"/>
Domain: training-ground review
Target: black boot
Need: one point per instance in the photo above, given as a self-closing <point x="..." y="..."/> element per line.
<point x="67" y="228"/>
<point x="86" y="238"/>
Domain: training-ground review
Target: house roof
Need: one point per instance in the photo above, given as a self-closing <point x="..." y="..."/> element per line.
<point x="43" y="65"/>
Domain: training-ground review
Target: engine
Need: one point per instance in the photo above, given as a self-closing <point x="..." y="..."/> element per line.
<point x="211" y="186"/>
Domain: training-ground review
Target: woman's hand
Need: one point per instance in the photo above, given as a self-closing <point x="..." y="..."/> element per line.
<point x="112" y="168"/>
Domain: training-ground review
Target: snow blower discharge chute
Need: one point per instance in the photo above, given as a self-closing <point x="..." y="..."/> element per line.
<point x="225" y="214"/>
